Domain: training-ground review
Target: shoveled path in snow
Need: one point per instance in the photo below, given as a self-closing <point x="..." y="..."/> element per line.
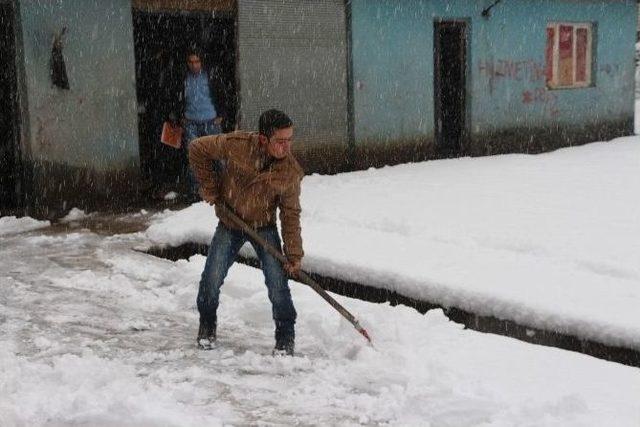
<point x="94" y="333"/>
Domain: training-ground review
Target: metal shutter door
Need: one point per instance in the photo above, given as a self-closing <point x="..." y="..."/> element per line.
<point x="292" y="56"/>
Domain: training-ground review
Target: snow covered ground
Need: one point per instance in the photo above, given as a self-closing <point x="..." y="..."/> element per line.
<point x="93" y="333"/>
<point x="550" y="241"/>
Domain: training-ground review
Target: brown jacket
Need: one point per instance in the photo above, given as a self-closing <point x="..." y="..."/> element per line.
<point x="249" y="185"/>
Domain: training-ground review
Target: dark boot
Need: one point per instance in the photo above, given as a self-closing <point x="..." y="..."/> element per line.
<point x="285" y="339"/>
<point x="206" y="334"/>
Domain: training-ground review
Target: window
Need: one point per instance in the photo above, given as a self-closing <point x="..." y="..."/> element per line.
<point x="569" y="55"/>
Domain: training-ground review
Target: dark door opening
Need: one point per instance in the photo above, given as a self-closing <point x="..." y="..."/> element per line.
<point x="161" y="41"/>
<point x="10" y="193"/>
<point x="450" y="70"/>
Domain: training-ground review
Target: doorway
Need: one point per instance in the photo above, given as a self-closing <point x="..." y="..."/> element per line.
<point x="450" y="72"/>
<point x="10" y="178"/>
<point x="161" y="42"/>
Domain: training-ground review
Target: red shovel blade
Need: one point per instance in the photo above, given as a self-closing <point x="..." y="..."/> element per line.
<point x="364" y="333"/>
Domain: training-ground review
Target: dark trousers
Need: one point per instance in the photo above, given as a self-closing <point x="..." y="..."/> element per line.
<point x="222" y="253"/>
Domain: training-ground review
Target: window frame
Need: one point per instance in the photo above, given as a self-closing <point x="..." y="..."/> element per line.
<point x="554" y="82"/>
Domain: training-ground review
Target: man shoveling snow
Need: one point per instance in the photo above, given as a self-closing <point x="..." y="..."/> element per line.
<point x="255" y="174"/>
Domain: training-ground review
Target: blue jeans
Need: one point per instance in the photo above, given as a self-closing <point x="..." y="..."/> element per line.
<point x="193" y="130"/>
<point x="222" y="253"/>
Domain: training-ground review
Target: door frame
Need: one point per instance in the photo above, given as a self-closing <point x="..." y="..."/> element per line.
<point x="17" y="200"/>
<point x="203" y="18"/>
<point x="465" y="25"/>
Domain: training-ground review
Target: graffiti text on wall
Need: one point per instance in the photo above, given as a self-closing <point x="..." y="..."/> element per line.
<point x="508" y="69"/>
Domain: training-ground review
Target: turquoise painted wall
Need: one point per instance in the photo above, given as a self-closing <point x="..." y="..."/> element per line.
<point x="393" y="65"/>
<point x="94" y="124"/>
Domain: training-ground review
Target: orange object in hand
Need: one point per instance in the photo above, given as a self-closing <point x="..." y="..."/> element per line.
<point x="171" y="135"/>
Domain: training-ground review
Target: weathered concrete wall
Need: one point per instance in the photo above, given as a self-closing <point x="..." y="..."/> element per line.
<point x="509" y="107"/>
<point x="82" y="142"/>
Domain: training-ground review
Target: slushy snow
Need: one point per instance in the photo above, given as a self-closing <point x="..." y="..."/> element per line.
<point x="93" y="333"/>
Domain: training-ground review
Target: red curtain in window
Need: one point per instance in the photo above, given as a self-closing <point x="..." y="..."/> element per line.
<point x="565" y="57"/>
<point x="551" y="39"/>
<point x="581" y="54"/>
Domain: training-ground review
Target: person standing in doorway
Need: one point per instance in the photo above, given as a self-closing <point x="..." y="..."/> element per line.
<point x="201" y="110"/>
<point x="259" y="176"/>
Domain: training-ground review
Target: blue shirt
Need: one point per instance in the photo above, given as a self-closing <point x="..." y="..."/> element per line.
<point x="197" y="96"/>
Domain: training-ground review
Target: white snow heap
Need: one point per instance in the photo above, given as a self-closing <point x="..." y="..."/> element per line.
<point x="13" y="225"/>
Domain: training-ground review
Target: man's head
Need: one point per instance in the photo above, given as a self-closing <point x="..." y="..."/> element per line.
<point x="276" y="133"/>
<point x="194" y="61"/>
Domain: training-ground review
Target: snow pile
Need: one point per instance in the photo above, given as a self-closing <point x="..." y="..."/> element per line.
<point x="541" y="240"/>
<point x="13" y="225"/>
<point x="193" y="224"/>
<point x="172" y="195"/>
<point x="75" y="214"/>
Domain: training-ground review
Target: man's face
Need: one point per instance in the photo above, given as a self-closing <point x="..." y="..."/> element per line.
<point x="194" y="63"/>
<point x="279" y="145"/>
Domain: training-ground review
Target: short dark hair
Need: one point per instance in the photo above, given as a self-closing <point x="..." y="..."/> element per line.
<point x="193" y="51"/>
<point x="272" y="120"/>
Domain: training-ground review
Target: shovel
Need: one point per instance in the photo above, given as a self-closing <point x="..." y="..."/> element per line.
<point x="301" y="276"/>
